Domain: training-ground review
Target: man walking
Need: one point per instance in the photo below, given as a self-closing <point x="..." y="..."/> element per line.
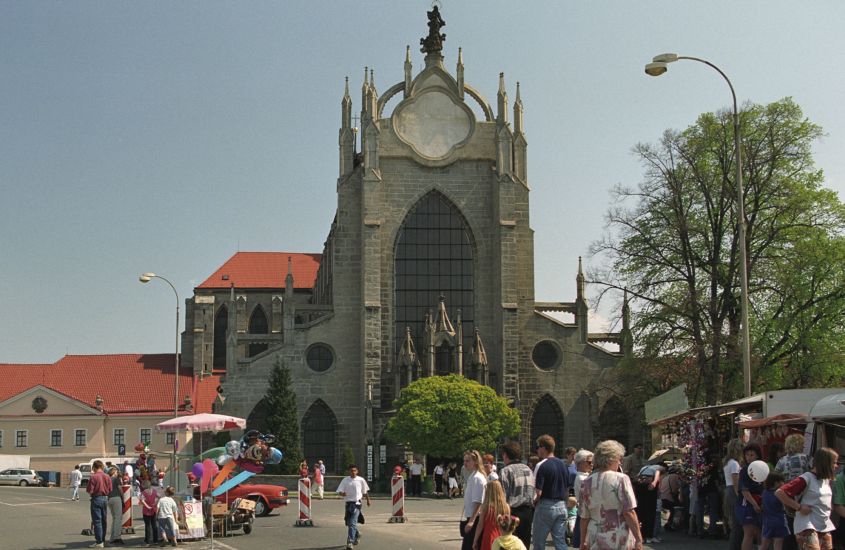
<point x="416" y="478"/>
<point x="517" y="480"/>
<point x="75" y="482"/>
<point x="99" y="487"/>
<point x="550" y="497"/>
<point x="353" y="488"/>
<point x="633" y="463"/>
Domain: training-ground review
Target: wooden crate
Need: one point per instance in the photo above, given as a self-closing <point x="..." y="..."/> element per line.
<point x="246" y="504"/>
<point x="219" y="509"/>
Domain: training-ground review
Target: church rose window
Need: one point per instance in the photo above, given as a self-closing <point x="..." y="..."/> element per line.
<point x="319" y="357"/>
<point x="545" y="355"/>
<point x="433" y="257"/>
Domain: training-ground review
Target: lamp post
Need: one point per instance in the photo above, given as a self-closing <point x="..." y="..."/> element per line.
<point x="657" y="67"/>
<point x="146" y="278"/>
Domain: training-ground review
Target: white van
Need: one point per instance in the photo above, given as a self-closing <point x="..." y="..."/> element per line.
<point x="85" y="467"/>
<point x="828" y="423"/>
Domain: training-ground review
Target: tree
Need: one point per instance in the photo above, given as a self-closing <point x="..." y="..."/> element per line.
<point x="676" y="251"/>
<point x="281" y="420"/>
<point x="445" y="415"/>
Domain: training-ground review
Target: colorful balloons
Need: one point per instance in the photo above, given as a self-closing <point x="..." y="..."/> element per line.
<point x="233" y="449"/>
<point x="224" y="459"/>
<point x="197" y="470"/>
<point x="139" y="448"/>
<point x="275" y="456"/>
<point x="758" y="471"/>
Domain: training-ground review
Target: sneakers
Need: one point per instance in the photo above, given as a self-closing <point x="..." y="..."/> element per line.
<point x="349" y="545"/>
<point x="97" y="545"/>
<point x="656" y="540"/>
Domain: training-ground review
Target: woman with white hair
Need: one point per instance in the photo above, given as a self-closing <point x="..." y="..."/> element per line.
<point x="583" y="467"/>
<point x="607" y="503"/>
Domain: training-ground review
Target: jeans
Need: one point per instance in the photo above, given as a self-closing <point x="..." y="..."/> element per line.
<point x="74" y="492"/>
<point x="150" y="530"/>
<point x="711" y="499"/>
<point x="549" y="515"/>
<point x="168" y="528"/>
<point x="353" y="510"/>
<point x="99" y="517"/>
<point x="116" y="509"/>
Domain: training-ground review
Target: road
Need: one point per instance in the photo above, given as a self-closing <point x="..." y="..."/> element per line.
<point x="41" y="518"/>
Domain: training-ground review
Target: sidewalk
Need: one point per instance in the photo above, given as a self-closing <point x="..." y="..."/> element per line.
<point x="676" y="540"/>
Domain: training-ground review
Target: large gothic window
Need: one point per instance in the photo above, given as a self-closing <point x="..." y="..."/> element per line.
<point x="221" y="324"/>
<point x="258" y="325"/>
<point x="319" y="428"/>
<point x="547" y="419"/>
<point x="433" y="257"/>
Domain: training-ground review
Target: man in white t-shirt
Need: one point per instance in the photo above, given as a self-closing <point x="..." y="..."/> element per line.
<point x="416" y="478"/>
<point x="75" y="482"/>
<point x="353" y="488"/>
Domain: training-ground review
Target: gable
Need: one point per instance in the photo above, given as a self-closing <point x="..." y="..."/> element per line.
<point x="24" y="403"/>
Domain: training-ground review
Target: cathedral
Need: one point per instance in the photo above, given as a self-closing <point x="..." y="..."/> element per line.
<point x="427" y="269"/>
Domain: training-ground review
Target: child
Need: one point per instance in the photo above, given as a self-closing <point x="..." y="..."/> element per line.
<point x="775" y="527"/>
<point x="493" y="505"/>
<point x="507" y="540"/>
<point x="149" y="505"/>
<point x="168" y="512"/>
<point x="571" y="516"/>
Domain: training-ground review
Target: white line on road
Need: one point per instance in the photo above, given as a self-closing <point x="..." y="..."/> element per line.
<point x="34" y="503"/>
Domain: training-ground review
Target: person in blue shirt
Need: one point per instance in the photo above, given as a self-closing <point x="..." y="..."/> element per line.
<point x="552" y="490"/>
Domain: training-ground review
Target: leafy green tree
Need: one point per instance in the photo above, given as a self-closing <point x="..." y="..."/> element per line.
<point x="281" y="420"/>
<point x="445" y="415"/>
<point x="673" y="243"/>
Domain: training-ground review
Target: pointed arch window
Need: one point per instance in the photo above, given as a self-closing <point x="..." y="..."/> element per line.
<point x="319" y="433"/>
<point x="221" y="326"/>
<point x="434" y="256"/>
<point x="547" y="419"/>
<point x="258" y="325"/>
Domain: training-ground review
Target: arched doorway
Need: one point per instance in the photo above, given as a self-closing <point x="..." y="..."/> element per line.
<point x="319" y="432"/>
<point x="613" y="421"/>
<point x="547" y="418"/>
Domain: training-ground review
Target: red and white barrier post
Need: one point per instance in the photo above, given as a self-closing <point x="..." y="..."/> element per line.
<point x="397" y="492"/>
<point x="304" y="503"/>
<point x="126" y="491"/>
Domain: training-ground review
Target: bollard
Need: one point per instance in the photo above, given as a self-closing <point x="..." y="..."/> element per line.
<point x="126" y="490"/>
<point x="397" y="492"/>
<point x="304" y="504"/>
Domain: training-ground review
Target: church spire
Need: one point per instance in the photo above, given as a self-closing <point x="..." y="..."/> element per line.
<point x="517" y="112"/>
<point x="364" y="88"/>
<point x="346" y="107"/>
<point x="502" y="97"/>
<point x="459" y="72"/>
<point x="346" y="135"/>
<point x="580" y="281"/>
<point x="408" y="71"/>
<point x="478" y="359"/>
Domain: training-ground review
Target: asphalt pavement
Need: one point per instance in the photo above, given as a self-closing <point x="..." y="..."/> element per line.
<point x="46" y="518"/>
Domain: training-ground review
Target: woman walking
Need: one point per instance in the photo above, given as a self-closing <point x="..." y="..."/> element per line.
<point x="476" y="482"/>
<point x="607" y="504"/>
<point x="494" y="505"/>
<point x="813" y="525"/>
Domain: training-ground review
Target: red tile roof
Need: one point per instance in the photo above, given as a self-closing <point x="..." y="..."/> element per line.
<point x="264" y="270"/>
<point x="128" y="383"/>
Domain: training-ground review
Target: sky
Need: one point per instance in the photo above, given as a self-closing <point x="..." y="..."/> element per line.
<point x="165" y="136"/>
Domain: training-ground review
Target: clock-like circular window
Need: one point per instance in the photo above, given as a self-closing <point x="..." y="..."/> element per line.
<point x="546" y="355"/>
<point x="319" y="357"/>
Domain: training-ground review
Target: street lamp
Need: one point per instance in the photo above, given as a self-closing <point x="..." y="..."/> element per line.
<point x="657" y="67"/>
<point x="146" y="278"/>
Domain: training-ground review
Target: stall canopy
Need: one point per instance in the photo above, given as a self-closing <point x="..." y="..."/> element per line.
<point x="778" y="419"/>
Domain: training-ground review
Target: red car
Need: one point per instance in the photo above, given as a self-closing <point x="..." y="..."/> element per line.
<point x="266" y="497"/>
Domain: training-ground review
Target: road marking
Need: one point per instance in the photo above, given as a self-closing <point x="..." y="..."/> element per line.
<point x="223" y="545"/>
<point x="34" y="503"/>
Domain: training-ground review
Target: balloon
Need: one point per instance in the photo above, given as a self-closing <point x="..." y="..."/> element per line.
<point x="223" y="473"/>
<point x="139" y="448"/>
<point x="197" y="470"/>
<point x="758" y="471"/>
<point x="223" y="459"/>
<point x="275" y="456"/>
<point x="209" y="470"/>
<point x="233" y="449"/>
<point x="256" y="453"/>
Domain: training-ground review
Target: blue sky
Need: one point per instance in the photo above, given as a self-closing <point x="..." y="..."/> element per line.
<point x="165" y="136"/>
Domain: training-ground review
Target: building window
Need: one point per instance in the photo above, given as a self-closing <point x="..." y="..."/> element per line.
<point x="119" y="436"/>
<point x="21" y="437"/>
<point x="434" y="257"/>
<point x="319" y="357"/>
<point x="80" y="438"/>
<point x="258" y="325"/>
<point x="171" y="438"/>
<point x="146" y="436"/>
<point x="221" y="326"/>
<point x="55" y="438"/>
<point x="545" y="355"/>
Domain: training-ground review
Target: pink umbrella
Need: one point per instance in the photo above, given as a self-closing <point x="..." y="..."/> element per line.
<point x="203" y="422"/>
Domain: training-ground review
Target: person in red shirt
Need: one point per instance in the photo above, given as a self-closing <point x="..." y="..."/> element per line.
<point x="813" y="525"/>
<point x="99" y="487"/>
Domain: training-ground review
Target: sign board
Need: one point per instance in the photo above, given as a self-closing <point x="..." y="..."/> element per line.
<point x="667" y="404"/>
<point x="121" y="450"/>
<point x="382" y="454"/>
<point x="369" y="462"/>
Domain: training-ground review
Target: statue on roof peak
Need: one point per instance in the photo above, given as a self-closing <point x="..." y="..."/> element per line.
<point x="433" y="43"/>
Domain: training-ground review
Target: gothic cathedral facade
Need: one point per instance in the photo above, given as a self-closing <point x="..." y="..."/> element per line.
<point x="428" y="269"/>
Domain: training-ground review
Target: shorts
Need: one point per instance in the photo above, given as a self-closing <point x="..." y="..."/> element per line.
<point x="775" y="529"/>
<point x="453" y="483"/>
<point x="745" y="514"/>
<point x="813" y="540"/>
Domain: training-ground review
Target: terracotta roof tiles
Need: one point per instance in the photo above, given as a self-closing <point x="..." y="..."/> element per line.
<point x="264" y="270"/>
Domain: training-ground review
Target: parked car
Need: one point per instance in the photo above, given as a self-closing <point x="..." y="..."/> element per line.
<point x="266" y="497"/>
<point x="19" y="476"/>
